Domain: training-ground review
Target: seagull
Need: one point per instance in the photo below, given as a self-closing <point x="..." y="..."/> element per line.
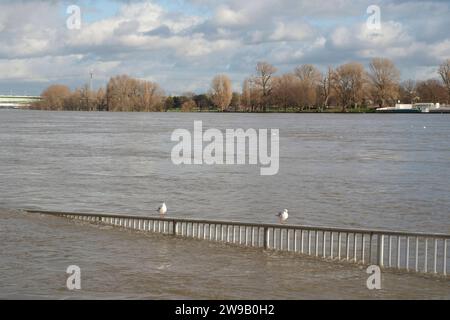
<point x="162" y="210"/>
<point x="283" y="216"/>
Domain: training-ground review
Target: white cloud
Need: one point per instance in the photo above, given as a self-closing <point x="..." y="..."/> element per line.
<point x="441" y="50"/>
<point x="341" y="37"/>
<point x="227" y="17"/>
<point x="291" y="32"/>
<point x="184" y="50"/>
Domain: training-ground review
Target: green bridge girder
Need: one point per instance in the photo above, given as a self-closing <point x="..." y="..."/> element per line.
<point x="17" y="101"/>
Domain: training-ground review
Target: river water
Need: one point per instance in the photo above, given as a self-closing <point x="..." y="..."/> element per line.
<point x="371" y="171"/>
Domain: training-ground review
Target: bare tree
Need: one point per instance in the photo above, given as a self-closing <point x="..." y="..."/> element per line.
<point x="308" y="73"/>
<point x="149" y="96"/>
<point x="348" y="84"/>
<point x="221" y="92"/>
<point x="408" y="92"/>
<point x="286" y="91"/>
<point x="326" y="88"/>
<point x="100" y="100"/>
<point x="246" y="95"/>
<point x="53" y="98"/>
<point x="235" y="101"/>
<point x="87" y="99"/>
<point x="188" y="106"/>
<point x="432" y="91"/>
<point x="124" y="93"/>
<point x="263" y="79"/>
<point x="444" y="72"/>
<point x="251" y="95"/>
<point x="75" y="102"/>
<point x="384" y="77"/>
<point x="119" y="93"/>
<point x="309" y="78"/>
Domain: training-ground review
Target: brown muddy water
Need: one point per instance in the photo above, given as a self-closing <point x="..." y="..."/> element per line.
<point x="369" y="171"/>
<point x="119" y="264"/>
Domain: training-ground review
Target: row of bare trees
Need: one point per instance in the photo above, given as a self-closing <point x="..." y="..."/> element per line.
<point x="127" y="94"/>
<point x="122" y="93"/>
<point x="60" y="97"/>
<point x="350" y="86"/>
<point x="306" y="88"/>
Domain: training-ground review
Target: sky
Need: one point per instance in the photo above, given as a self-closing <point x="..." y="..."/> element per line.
<point x="183" y="44"/>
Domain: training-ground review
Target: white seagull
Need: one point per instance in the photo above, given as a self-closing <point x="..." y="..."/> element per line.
<point x="283" y="216"/>
<point x="162" y="209"/>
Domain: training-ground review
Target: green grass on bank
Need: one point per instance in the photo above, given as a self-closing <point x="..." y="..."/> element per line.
<point x="290" y="110"/>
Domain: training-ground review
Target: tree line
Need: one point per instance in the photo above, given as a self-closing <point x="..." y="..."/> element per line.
<point x="348" y="87"/>
<point x="122" y="93"/>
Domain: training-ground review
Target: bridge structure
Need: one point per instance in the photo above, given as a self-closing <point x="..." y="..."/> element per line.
<point x="17" y="102"/>
<point x="398" y="250"/>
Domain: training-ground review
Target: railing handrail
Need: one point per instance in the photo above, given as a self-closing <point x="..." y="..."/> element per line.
<point x="248" y="224"/>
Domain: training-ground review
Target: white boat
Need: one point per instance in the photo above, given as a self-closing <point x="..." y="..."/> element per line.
<point x="399" y="108"/>
<point x="411" y="108"/>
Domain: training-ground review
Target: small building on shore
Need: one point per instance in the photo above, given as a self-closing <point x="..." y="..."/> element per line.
<point x="416" y="108"/>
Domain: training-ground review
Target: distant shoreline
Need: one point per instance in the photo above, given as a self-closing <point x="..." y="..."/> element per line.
<point x="236" y="112"/>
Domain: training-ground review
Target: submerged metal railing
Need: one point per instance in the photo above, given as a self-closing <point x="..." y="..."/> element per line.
<point x="417" y="252"/>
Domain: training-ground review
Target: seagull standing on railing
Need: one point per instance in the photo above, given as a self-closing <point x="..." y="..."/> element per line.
<point x="284" y="215"/>
<point x="162" y="210"/>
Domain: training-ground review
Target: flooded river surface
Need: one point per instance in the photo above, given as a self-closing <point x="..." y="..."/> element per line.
<point x="370" y="171"/>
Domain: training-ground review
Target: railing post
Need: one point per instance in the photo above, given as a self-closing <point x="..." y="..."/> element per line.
<point x="363" y="249"/>
<point x="174" y="227"/>
<point x="380" y="250"/>
<point x="435" y="254"/>
<point x="266" y="238"/>
<point x="445" y="257"/>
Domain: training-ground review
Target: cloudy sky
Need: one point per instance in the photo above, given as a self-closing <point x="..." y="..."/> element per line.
<point x="182" y="44"/>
